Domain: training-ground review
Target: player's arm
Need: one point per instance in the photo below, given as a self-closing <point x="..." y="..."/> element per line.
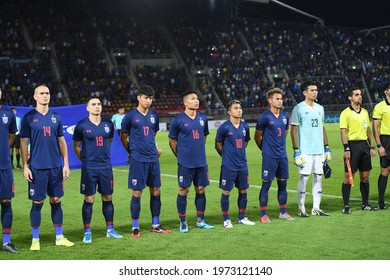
<point x="173" y="146"/>
<point x="64" y="153"/>
<point x="376" y="124"/>
<point x="77" y="148"/>
<point x="370" y="142"/>
<point x="259" y="138"/>
<point x="344" y="141"/>
<point x="327" y="151"/>
<point x="325" y="135"/>
<point x="218" y="147"/>
<point x="294" y="135"/>
<point x="125" y="141"/>
<point x="11" y="139"/>
<point x="27" y="174"/>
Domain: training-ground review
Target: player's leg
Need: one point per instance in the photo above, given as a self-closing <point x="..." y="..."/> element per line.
<point x="226" y="181"/>
<point x="136" y="182"/>
<point x="55" y="191"/>
<point x="302" y="183"/>
<point x="242" y="184"/>
<point x="201" y="181"/>
<point x="269" y="167"/>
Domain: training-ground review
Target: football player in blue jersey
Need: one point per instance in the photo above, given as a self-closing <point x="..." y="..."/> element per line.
<point x="270" y="137"/>
<point x="92" y="139"/>
<point x="187" y="138"/>
<point x="48" y="165"/>
<point x="139" y="128"/>
<point x="7" y="191"/>
<point x="230" y="142"/>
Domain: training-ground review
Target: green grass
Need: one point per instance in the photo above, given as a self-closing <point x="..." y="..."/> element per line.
<point x="362" y="235"/>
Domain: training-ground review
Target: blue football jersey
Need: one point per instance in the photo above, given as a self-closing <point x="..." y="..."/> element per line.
<point x="141" y="129"/>
<point x="95" y="142"/>
<point x="274" y="133"/>
<point x="190" y="137"/>
<point x="7" y="127"/>
<point x="43" y="132"/>
<point x="233" y="149"/>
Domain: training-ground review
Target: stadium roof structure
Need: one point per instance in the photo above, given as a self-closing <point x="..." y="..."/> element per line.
<point x="364" y="15"/>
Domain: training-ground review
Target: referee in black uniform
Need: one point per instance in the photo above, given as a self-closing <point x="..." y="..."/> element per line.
<point x="381" y="121"/>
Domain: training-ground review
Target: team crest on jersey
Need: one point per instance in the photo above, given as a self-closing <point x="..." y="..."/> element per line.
<point x="201" y="121"/>
<point x="53" y="119"/>
<point x="5" y="119"/>
<point x="265" y="173"/>
<point x="181" y="179"/>
<point x="32" y="192"/>
<point x="134" y="182"/>
<point x="284" y="120"/>
<point x="244" y="131"/>
<point x="152" y="119"/>
<point x="106" y="129"/>
<point x="223" y="182"/>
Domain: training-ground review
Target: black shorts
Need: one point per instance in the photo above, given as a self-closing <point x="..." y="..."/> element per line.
<point x="385" y="141"/>
<point x="360" y="156"/>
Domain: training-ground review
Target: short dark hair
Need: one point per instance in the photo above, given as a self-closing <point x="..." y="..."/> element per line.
<point x="306" y="84"/>
<point x="386" y="87"/>
<point x="188" y="92"/>
<point x="351" y="90"/>
<point x="146" y="90"/>
<point x="232" y="102"/>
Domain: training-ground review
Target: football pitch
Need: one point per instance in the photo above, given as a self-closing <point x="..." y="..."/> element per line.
<point x="359" y="236"/>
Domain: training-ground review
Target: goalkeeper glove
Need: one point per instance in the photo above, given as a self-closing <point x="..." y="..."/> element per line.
<point x="328" y="153"/>
<point x="298" y="158"/>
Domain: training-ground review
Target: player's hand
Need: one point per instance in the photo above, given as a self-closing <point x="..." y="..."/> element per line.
<point x="65" y="172"/>
<point x="27" y="174"/>
<point x="298" y="158"/>
<point x="328" y="153"/>
<point x="128" y="160"/>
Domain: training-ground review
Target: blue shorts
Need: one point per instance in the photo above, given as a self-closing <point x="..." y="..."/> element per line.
<point x="46" y="182"/>
<point x="199" y="176"/>
<point x="228" y="178"/>
<point x="103" y="178"/>
<point x="7" y="188"/>
<point x="142" y="174"/>
<point x="274" y="167"/>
